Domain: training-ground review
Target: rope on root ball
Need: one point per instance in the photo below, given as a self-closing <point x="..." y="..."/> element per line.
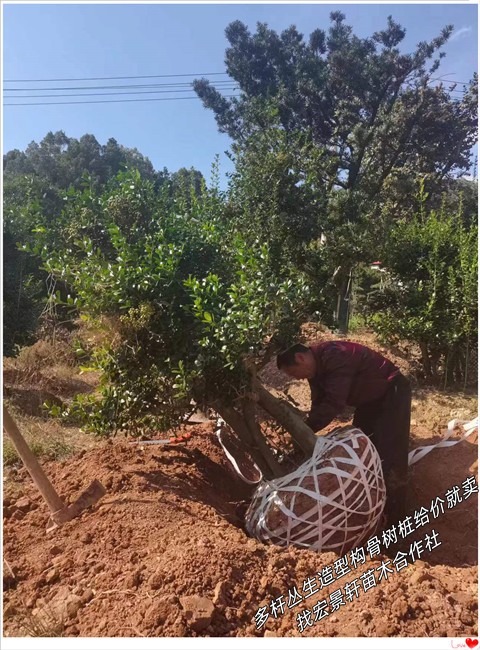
<point x="332" y="502"/>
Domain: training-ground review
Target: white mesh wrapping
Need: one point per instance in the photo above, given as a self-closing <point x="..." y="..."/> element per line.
<point x="330" y="503"/>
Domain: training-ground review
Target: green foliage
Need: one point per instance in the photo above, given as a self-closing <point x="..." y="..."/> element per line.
<point x="271" y="193"/>
<point x="23" y="281"/>
<point x="367" y="106"/>
<point x="36" y="190"/>
<point x="367" y="122"/>
<point x="187" y="301"/>
<point x="185" y="183"/>
<point x="275" y="193"/>
<point x="62" y="161"/>
<point x="46" y="449"/>
<point x="357" y="323"/>
<point x="367" y="293"/>
<point x="430" y="295"/>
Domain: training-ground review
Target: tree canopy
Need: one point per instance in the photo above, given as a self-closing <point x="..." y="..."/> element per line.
<point x="378" y="120"/>
<point x="368" y="107"/>
<point x="62" y="161"/>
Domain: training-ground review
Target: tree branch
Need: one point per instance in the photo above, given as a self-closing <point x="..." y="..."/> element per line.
<point x="265" y="461"/>
<point x="259" y="439"/>
<point x="282" y="412"/>
<point x="398" y="150"/>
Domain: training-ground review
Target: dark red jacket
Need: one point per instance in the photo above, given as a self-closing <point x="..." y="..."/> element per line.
<point x="347" y="374"/>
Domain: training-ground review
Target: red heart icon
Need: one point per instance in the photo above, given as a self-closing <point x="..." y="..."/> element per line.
<point x="471" y="643"/>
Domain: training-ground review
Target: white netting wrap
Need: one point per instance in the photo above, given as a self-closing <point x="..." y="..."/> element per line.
<point x="332" y="502"/>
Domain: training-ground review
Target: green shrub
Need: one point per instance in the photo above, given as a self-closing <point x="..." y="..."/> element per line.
<point x="430" y="291"/>
<point x="186" y="300"/>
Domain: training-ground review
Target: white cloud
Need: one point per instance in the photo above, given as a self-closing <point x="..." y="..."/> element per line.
<point x="463" y="31"/>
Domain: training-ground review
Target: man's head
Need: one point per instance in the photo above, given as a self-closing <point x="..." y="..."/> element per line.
<point x="297" y="362"/>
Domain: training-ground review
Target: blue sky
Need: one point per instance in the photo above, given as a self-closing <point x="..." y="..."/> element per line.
<point x="79" y="40"/>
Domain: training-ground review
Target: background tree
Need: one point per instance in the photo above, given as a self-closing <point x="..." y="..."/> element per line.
<point x="429" y="292"/>
<point x="184" y="181"/>
<point x="34" y="183"/>
<point x="24" y="281"/>
<point x="273" y="193"/>
<point x="62" y="161"/>
<point x="369" y="110"/>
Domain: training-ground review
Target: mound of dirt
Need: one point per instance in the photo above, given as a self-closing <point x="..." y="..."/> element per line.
<point x="164" y="553"/>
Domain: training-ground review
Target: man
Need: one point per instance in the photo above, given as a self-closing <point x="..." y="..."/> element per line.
<point x="342" y="373"/>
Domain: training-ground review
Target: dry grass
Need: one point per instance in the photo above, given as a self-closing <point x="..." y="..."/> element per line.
<point x="46" y="371"/>
<point x="48" y="439"/>
<point x="431" y="405"/>
<point x="46" y="449"/>
<point x="45" y="624"/>
<point x="46" y="353"/>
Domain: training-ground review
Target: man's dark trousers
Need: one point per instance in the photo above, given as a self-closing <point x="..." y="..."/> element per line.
<point x="387" y="423"/>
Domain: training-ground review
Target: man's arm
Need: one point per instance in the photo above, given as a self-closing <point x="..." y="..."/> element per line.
<point x="332" y="400"/>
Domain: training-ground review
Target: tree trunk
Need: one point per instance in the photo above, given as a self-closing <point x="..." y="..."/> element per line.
<point x="435" y="360"/>
<point x="427" y="366"/>
<point x="460" y="365"/>
<point x="248" y="430"/>
<point x="465" y="377"/>
<point x="258" y="447"/>
<point x="344" y="284"/>
<point x="259" y="439"/>
<point x="285" y="416"/>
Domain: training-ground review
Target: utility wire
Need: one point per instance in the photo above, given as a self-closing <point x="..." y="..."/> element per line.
<point x="113" y="94"/>
<point x="447" y="74"/>
<point x="177" y="87"/>
<point x="222" y="84"/>
<point x="225" y="81"/>
<point x="441" y="78"/>
<point x="112" y="101"/>
<point x="158" y="76"/>
<point x="147" y="76"/>
<point x="134" y="92"/>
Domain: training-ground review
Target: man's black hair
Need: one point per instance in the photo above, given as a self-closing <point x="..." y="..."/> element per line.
<point x="287" y="357"/>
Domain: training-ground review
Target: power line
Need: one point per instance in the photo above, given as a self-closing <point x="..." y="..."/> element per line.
<point x="219" y="83"/>
<point x="178" y="87"/>
<point x="112" y="101"/>
<point x="444" y="81"/>
<point x="157" y="76"/>
<point x="133" y="92"/>
<point x="225" y="81"/>
<point x="146" y="76"/>
<point x="441" y="78"/>
<point x="454" y="81"/>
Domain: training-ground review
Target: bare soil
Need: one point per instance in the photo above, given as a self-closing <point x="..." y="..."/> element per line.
<point x="164" y="553"/>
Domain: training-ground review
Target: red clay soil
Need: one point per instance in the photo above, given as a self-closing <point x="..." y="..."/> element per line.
<point x="170" y="528"/>
<point x="164" y="553"/>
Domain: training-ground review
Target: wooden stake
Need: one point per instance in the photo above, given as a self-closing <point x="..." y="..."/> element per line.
<point x="61" y="512"/>
<point x="39" y="477"/>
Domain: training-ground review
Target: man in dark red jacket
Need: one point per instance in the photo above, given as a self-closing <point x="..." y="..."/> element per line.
<point x="342" y="373"/>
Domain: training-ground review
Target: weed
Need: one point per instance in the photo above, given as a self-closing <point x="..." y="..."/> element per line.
<point x="44" y="625"/>
<point x="47" y="448"/>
